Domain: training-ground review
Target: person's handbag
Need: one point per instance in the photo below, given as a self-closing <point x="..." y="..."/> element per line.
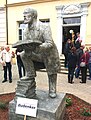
<point x="82" y="64"/>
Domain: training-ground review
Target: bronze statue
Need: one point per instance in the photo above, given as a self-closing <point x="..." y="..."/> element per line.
<point x="39" y="50"/>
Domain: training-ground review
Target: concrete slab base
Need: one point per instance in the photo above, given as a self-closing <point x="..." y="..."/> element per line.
<point x="48" y="108"/>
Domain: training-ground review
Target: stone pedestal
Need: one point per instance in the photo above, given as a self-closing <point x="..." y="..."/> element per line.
<point x="48" y="108"/>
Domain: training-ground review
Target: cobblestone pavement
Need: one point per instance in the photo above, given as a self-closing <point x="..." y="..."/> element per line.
<point x="83" y="91"/>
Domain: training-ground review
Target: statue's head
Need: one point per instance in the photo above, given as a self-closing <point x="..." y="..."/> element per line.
<point x="29" y="15"/>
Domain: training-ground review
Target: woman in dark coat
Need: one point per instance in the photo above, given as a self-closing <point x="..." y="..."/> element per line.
<point x="72" y="61"/>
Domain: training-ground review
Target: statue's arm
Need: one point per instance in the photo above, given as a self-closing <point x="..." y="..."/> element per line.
<point x="47" y="37"/>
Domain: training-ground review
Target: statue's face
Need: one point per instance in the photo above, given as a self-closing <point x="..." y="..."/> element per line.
<point x="28" y="18"/>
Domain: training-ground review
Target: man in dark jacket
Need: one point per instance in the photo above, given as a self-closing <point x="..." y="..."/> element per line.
<point x="20" y="65"/>
<point x="67" y="50"/>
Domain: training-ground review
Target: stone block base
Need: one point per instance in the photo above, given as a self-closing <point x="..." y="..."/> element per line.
<point x="48" y="108"/>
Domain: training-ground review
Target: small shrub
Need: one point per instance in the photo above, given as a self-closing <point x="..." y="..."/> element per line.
<point x="68" y="102"/>
<point x="85" y="111"/>
<point x="3" y="105"/>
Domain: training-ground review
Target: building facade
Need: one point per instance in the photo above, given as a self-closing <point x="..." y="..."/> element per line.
<point x="62" y="16"/>
<point x="2" y="23"/>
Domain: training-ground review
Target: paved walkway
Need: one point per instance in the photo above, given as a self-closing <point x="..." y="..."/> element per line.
<point x="83" y="91"/>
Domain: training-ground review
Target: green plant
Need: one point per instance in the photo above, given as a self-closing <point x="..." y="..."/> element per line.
<point x="68" y="101"/>
<point x="85" y="111"/>
<point x="3" y="105"/>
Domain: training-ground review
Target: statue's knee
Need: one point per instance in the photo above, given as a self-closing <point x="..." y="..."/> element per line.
<point x="52" y="76"/>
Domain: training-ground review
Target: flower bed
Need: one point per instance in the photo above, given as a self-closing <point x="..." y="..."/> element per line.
<point x="5" y="99"/>
<point x="77" y="109"/>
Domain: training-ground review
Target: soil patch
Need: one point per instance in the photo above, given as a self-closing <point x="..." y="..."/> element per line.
<point x="6" y="98"/>
<point x="74" y="112"/>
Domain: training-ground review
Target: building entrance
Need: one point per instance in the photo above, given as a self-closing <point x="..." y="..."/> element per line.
<point x="68" y="35"/>
<point x="72" y="16"/>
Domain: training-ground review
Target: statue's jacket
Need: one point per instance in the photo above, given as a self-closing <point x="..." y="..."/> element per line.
<point x="48" y="52"/>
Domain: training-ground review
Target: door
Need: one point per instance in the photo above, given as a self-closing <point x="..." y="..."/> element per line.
<point x="68" y="35"/>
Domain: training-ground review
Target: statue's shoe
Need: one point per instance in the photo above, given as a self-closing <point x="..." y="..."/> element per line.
<point x="52" y="94"/>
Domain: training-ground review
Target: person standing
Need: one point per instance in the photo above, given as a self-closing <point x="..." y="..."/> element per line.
<point x="84" y="58"/>
<point x="89" y="63"/>
<point x="2" y="49"/>
<point x="72" y="61"/>
<point x="79" y="53"/>
<point x="67" y="50"/>
<point x="78" y="41"/>
<point x="20" y="63"/>
<point x="6" y="62"/>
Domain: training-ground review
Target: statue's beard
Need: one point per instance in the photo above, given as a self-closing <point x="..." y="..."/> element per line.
<point x="28" y="21"/>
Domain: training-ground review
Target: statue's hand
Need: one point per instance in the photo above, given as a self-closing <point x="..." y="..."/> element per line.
<point x="43" y="46"/>
<point x="22" y="53"/>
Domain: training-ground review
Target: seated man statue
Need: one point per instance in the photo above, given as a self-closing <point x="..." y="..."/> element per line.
<point x="46" y="52"/>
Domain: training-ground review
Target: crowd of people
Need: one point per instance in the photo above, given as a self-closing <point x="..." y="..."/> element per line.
<point x="77" y="59"/>
<point x="6" y="56"/>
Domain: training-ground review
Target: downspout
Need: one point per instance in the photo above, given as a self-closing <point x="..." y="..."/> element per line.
<point x="6" y="23"/>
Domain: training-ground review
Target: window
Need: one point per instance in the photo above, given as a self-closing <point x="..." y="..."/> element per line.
<point x="20" y="34"/>
<point x="45" y="20"/>
<point x="22" y="26"/>
<point x="72" y="20"/>
<point x="2" y="25"/>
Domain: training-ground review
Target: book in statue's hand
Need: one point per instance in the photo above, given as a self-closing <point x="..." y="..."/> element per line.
<point x="26" y="43"/>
